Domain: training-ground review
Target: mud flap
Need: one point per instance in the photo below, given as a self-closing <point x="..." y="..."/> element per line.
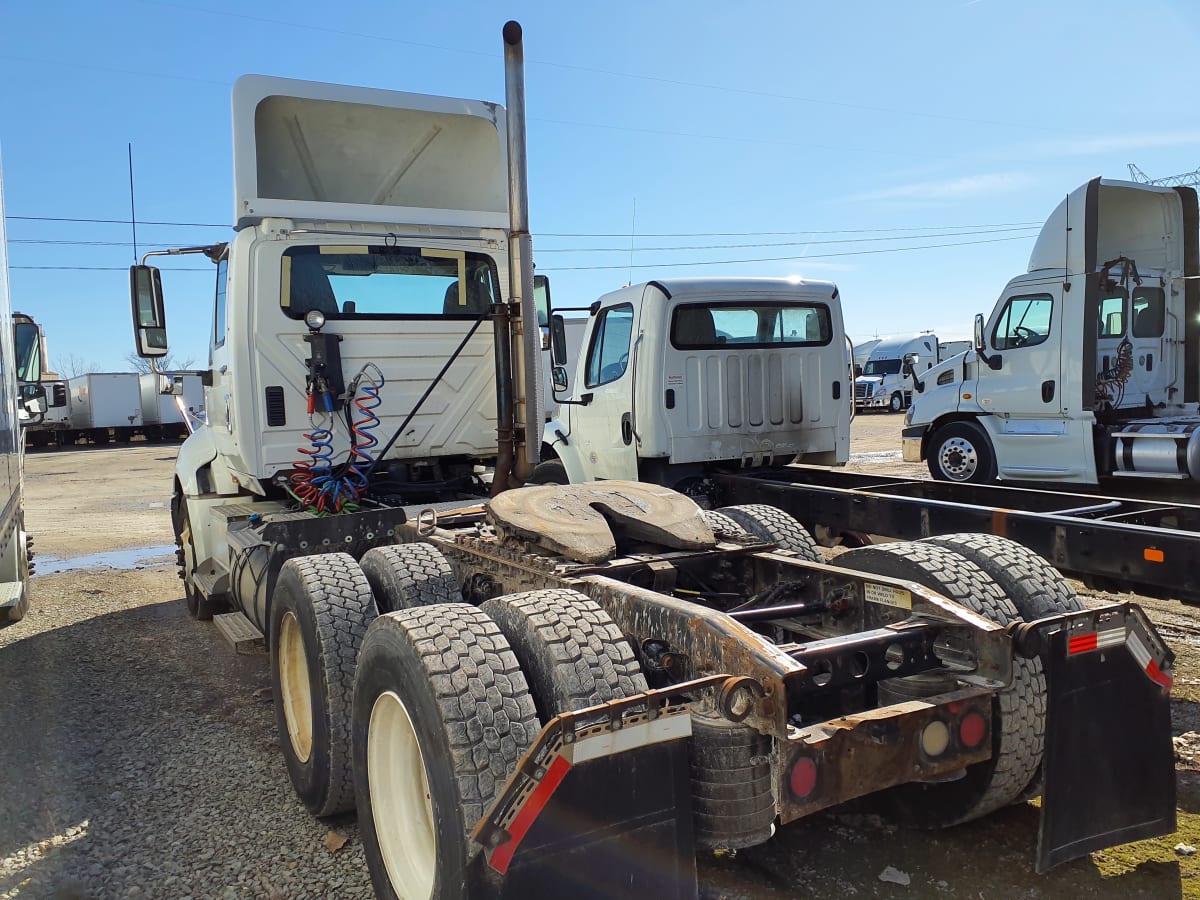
<point x="1109" y="764"/>
<point x="600" y="806"/>
<point x="616" y="826"/>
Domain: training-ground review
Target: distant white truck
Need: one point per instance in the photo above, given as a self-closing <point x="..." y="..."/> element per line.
<point x="679" y="378"/>
<point x="1089" y="364"/>
<point x="884" y="383"/>
<point x="105" y="405"/>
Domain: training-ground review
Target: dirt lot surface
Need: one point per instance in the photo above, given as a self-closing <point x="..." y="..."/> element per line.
<point x="139" y="755"/>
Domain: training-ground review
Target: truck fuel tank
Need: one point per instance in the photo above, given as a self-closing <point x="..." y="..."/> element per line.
<point x="1158" y="447"/>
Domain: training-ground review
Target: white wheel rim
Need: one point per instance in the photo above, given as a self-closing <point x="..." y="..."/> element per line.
<point x="958" y="459"/>
<point x="400" y="804"/>
<point x="294" y="686"/>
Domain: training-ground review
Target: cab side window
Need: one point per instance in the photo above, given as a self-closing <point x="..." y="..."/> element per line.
<point x="608" y="355"/>
<point x="218" y="335"/>
<point x="1149" y="312"/>
<point x="1024" y="322"/>
<point x="1111" y="317"/>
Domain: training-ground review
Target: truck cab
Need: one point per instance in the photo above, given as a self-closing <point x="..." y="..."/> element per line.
<point x="885" y="382"/>
<point x="678" y="378"/>
<point x="1089" y="364"/>
<point x="365" y="335"/>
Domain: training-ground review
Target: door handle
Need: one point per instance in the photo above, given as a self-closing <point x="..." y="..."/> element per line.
<point x="627" y="429"/>
<point x="1047" y="391"/>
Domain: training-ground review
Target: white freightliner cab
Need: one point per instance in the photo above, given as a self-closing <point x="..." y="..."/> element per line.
<point x="884" y="382"/>
<point x="681" y="377"/>
<point x="1089" y="364"/>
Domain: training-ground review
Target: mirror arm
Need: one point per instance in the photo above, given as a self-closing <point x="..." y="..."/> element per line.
<point x="584" y="400"/>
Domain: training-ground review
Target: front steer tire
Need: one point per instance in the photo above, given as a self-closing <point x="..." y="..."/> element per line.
<point x="320" y="611"/>
<point x="1018" y="710"/>
<point x="442" y="715"/>
<point x="961" y="452"/>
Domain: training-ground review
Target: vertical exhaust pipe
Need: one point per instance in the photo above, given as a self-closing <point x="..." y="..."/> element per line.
<point x="518" y="348"/>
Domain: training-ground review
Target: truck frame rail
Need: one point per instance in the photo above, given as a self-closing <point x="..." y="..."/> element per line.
<point x="1151" y="547"/>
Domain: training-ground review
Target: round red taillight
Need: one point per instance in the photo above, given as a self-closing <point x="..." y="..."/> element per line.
<point x="803" y="778"/>
<point x="972" y="730"/>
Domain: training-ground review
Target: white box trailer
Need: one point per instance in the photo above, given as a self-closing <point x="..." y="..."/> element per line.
<point x="105" y="405"/>
<point x="161" y="417"/>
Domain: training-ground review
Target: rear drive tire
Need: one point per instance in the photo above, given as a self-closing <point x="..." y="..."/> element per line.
<point x="406" y="575"/>
<point x="1018" y="711"/>
<point x="769" y="523"/>
<point x="320" y="611"/>
<point x="1034" y="586"/>
<point x="442" y="715"/>
<point x="961" y="451"/>
<point x="723" y="526"/>
<point x="571" y="651"/>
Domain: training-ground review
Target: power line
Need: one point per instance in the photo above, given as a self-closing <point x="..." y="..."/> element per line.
<point x="731" y="262"/>
<point x="855" y="240"/>
<point x="581" y="234"/>
<point x="899" y="237"/>
<point x="112" y="221"/>
<point x="645" y="234"/>
<point x="96" y="269"/>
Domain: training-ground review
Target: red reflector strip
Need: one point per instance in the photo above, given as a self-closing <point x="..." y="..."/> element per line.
<point x="1158" y="675"/>
<point x="537" y="801"/>
<point x="1081" y="643"/>
<point x="1096" y="640"/>
<point x="1148" y="663"/>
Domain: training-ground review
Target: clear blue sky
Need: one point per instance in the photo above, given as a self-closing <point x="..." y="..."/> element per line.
<point x="923" y="117"/>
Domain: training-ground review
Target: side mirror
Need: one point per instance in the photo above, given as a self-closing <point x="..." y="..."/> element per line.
<point x="27" y="337"/>
<point x="909" y="364"/>
<point x="541" y="299"/>
<point x="558" y="377"/>
<point x="558" y="341"/>
<point x="33" y="402"/>
<point x="977" y="337"/>
<point x="149" y="319"/>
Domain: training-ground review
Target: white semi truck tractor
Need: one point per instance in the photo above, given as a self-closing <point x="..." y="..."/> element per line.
<point x="1088" y="367"/>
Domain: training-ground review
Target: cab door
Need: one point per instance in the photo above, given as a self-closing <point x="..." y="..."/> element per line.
<point x="1026" y="335"/>
<point x="604" y="425"/>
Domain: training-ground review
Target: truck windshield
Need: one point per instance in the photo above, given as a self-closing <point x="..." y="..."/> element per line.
<point x="386" y="282"/>
<point x="882" y="367"/>
<point x="718" y="325"/>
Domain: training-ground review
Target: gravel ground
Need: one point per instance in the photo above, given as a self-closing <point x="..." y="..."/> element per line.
<point x="139" y="753"/>
<point x="139" y="760"/>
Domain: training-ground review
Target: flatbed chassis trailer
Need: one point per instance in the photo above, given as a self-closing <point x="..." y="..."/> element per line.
<point x="1147" y="546"/>
<point x="749" y="666"/>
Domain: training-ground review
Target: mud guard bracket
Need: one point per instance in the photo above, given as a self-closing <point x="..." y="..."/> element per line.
<point x="1109" y="763"/>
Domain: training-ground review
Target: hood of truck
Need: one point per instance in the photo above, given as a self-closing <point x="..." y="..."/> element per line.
<point x="868" y="379"/>
<point x="308" y="150"/>
<point x="1104" y="219"/>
